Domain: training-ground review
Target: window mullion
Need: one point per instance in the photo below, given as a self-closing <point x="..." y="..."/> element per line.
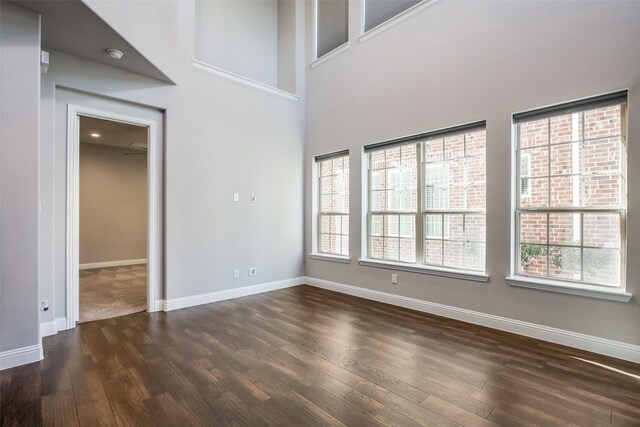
<point x="419" y="217"/>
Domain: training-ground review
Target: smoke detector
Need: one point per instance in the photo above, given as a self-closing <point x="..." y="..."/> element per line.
<point x="115" y="53"/>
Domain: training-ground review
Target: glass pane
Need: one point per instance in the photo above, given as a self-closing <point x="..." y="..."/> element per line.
<point x="537" y="194"/>
<point x="392" y="249"/>
<point x="377" y="248"/>
<point x="534" y="162"/>
<point x="475" y="171"/>
<point x="566" y="191"/>
<point x="433" y="226"/>
<point x="326" y="185"/>
<point x="376" y="225"/>
<point x="340" y="184"/>
<point x="454" y="227"/>
<point x="378" y="200"/>
<point x="453" y="254"/>
<point x="533" y="228"/>
<point x="378" y="179"/>
<point x="336" y="224"/>
<point x="534" y="133"/>
<point x="454" y="147"/>
<point x="325" y="203"/>
<point x="433" y="252"/>
<point x="409" y="153"/>
<point x="533" y="260"/>
<point x="392" y="157"/>
<point x="325" y="168"/>
<point x="345" y="246"/>
<point x="433" y="151"/>
<point x="564" y="263"/>
<point x="345" y="225"/>
<point x="602" y="266"/>
<point x="407" y="226"/>
<point x="376" y="160"/>
<point x="602" y="191"/>
<point x="477" y="196"/>
<point x="456" y="196"/>
<point x="474" y="227"/>
<point x="565" y="159"/>
<point x="325" y="243"/>
<point x="340" y="203"/>
<point x="603" y="156"/>
<point x="566" y="128"/>
<point x="476" y="143"/>
<point x="325" y="223"/>
<point x="474" y="256"/>
<point x="602" y="230"/>
<point x="564" y="229"/>
<point x="391" y="225"/>
<point x="408" y="250"/>
<point x="336" y="244"/>
<point x="602" y="122"/>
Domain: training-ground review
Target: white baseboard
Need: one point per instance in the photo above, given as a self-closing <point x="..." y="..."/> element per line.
<point x="21" y="356"/>
<point x="177" y="303"/>
<point x="559" y="336"/>
<point x="53" y="327"/>
<point x="107" y="264"/>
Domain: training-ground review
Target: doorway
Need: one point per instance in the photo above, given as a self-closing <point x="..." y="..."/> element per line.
<point x="113" y="219"/>
<point x="113" y="206"/>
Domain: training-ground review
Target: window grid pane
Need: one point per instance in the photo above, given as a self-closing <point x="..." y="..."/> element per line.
<point x="333" y="215"/>
<point x="447" y="176"/>
<point x="574" y="231"/>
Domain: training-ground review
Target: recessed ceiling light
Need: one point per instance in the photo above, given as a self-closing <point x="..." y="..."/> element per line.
<point x="115" y="53"/>
<point x="95" y="135"/>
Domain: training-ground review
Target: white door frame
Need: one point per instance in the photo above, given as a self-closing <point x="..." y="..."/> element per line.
<point x="154" y="244"/>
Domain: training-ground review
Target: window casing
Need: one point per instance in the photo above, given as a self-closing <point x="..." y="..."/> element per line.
<point x="426" y="199"/>
<point x="333" y="204"/>
<point x="571" y="205"/>
<point x="377" y="12"/>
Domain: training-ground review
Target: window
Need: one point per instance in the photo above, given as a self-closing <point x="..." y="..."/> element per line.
<point x="570" y="210"/>
<point x="333" y="204"/>
<point x="332" y="25"/>
<point x="378" y="11"/>
<point x="426" y="200"/>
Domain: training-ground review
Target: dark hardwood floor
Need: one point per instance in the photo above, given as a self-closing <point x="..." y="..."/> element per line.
<point x="305" y="356"/>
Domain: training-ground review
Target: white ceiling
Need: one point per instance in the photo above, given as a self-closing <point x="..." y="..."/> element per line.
<point x="70" y="26"/>
<point x="114" y="134"/>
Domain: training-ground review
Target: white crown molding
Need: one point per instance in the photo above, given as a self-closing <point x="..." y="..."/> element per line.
<point x="106" y="264"/>
<point x="591" y="343"/>
<point x="244" y="80"/>
<point x="178" y="303"/>
<point x="21" y="356"/>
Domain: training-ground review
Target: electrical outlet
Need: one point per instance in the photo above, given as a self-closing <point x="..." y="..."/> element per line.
<point x="236" y="197"/>
<point x="253" y="197"/>
<point x="394" y="279"/>
<point x="252" y="271"/>
<point x="236" y="274"/>
<point x="44" y="306"/>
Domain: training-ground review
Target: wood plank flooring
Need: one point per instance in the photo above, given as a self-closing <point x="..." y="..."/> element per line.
<point x="304" y="356"/>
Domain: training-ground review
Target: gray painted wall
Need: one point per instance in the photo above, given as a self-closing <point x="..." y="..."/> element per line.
<point x="239" y="36"/>
<point x="462" y="61"/>
<point x="19" y="117"/>
<point x="113" y="204"/>
<point x="222" y="137"/>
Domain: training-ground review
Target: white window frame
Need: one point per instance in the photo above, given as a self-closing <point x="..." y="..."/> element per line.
<point x="317" y="214"/>
<point x="419" y="266"/>
<point x="560" y="285"/>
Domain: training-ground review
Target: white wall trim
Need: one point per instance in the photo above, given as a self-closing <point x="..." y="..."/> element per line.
<point x="600" y="292"/>
<point x="21" y="356"/>
<point x="244" y="80"/>
<point x="184" y="302"/>
<point x="154" y="203"/>
<point x="475" y="276"/>
<point x="332" y="53"/>
<point x="591" y="343"/>
<point x="53" y="327"/>
<point x="106" y="264"/>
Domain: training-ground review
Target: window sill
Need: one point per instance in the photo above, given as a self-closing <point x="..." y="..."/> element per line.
<point x="422" y="269"/>
<point x="329" y="257"/>
<point x="343" y="47"/>
<point x="570" y="288"/>
<point x="396" y="19"/>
